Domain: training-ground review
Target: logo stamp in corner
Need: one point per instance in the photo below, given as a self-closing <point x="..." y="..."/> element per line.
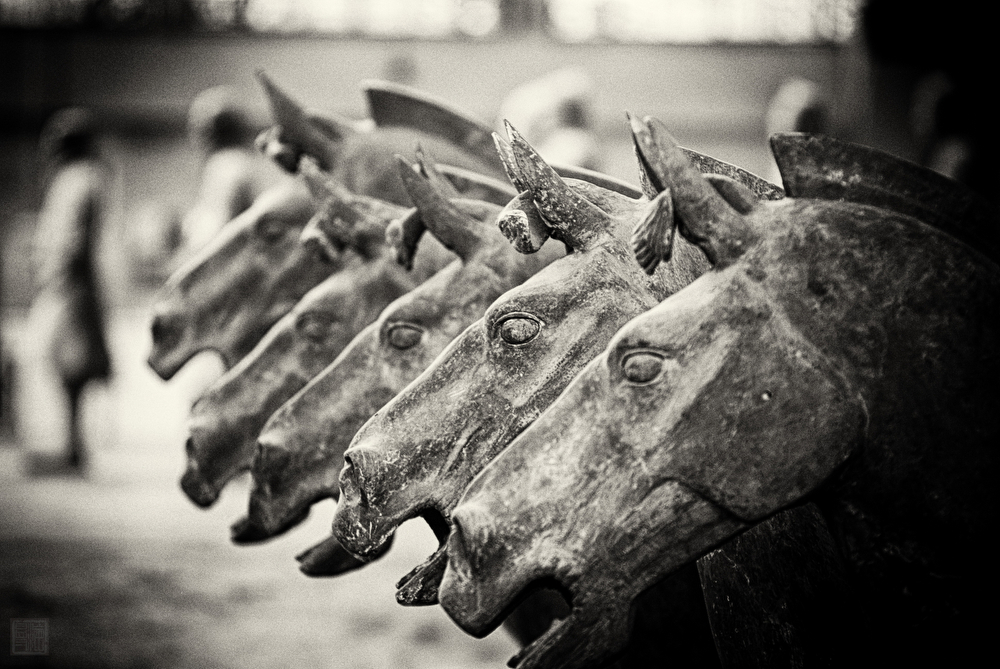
<point x="29" y="636"/>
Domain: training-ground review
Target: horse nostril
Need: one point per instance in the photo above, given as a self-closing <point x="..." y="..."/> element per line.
<point x="271" y="462"/>
<point x="318" y="244"/>
<point x="166" y="331"/>
<point x="351" y="484"/>
<point x="459" y="552"/>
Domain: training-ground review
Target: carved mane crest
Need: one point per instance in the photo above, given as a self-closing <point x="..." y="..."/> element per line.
<point x="824" y="168"/>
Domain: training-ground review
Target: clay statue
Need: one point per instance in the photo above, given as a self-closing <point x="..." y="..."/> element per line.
<point x="841" y="352"/>
<point x="579" y="300"/>
<point x="227" y="296"/>
<point x="227" y="418"/>
<point x="412" y="459"/>
<point x="361" y="156"/>
<point x="300" y="452"/>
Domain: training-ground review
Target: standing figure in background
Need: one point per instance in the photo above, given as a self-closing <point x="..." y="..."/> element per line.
<point x="232" y="174"/>
<point x="67" y="316"/>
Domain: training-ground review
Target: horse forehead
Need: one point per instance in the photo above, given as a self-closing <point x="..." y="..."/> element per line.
<point x="567" y="282"/>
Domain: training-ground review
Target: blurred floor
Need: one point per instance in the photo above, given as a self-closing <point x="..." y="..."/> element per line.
<point x="131" y="574"/>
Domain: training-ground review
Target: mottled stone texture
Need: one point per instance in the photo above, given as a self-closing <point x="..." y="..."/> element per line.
<point x="839" y="353"/>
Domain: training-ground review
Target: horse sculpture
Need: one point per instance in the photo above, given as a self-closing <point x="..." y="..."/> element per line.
<point x="413" y="460"/>
<point x="233" y="291"/>
<point x="227" y="296"/>
<point x="362" y="155"/>
<point x="300" y="452"/>
<point x="227" y="418"/>
<point x="840" y="352"/>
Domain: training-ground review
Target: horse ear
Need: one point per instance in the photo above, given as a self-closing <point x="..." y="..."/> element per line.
<point x="509" y="163"/>
<point x="347" y="218"/>
<point x="706" y="217"/>
<point x="570" y="217"/>
<point x="320" y="185"/>
<point x="310" y="135"/>
<point x="456" y="229"/>
<point x="428" y="169"/>
<point x="404" y="234"/>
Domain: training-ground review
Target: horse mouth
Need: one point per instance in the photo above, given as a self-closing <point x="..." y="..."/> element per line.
<point x="327" y="558"/>
<point x="197" y="488"/>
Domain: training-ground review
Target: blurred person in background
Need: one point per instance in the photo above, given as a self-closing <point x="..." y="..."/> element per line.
<point x="232" y="173"/>
<point x="67" y="314"/>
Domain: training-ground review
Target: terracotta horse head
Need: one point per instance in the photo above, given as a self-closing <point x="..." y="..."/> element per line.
<point x="227" y="296"/>
<point x="840" y="351"/>
<point x="227" y="418"/>
<point x="300" y="451"/>
<point x="419" y="452"/>
<point x="361" y="156"/>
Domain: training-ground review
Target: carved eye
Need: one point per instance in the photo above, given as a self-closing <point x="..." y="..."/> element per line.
<point x="518" y="329"/>
<point x="314" y="326"/>
<point x="270" y="228"/>
<point x="642" y="366"/>
<point x="403" y="336"/>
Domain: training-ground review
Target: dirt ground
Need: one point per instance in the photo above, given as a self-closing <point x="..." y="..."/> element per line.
<point x="130" y="574"/>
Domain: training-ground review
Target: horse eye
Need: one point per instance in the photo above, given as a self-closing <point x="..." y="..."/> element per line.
<point x="642" y="366"/>
<point x="404" y="336"/>
<point x="270" y="229"/>
<point x="313" y="326"/>
<point x="519" y="329"/>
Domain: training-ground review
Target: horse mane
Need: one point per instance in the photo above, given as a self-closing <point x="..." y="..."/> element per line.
<point x="395" y="105"/>
<point x="824" y="168"/>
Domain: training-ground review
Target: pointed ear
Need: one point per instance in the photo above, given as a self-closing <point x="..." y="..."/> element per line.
<point x="509" y="163"/>
<point x="404" y="234"/>
<point x="707" y="218"/>
<point x="295" y="126"/>
<point x="456" y="229"/>
<point x="344" y="217"/>
<point x="571" y="217"/>
<point x="427" y="167"/>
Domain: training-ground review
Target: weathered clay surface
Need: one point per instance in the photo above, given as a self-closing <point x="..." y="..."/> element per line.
<point x="362" y="156"/>
<point x="227" y="296"/>
<point x="300" y="451"/>
<point x="413" y="459"/>
<point x="226" y="420"/>
<point x="838" y="353"/>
